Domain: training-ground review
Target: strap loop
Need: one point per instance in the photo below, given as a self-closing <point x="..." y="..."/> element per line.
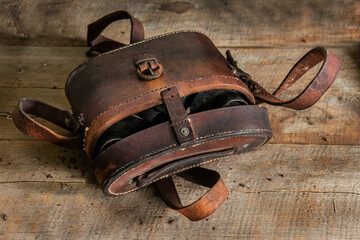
<point x="101" y="44"/>
<point x="204" y="206"/>
<point x="54" y="115"/>
<point x="178" y="117"/>
<point x="311" y="94"/>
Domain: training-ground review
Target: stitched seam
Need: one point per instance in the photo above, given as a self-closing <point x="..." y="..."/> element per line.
<point x="259" y="135"/>
<point x="174" y="145"/>
<point x="265" y="136"/>
<point x="187" y="168"/>
<point x="146" y="40"/>
<point x="206" y="162"/>
<point x="265" y="140"/>
<point x="184" y="169"/>
<point x="212" y="160"/>
<point x="143" y="156"/>
<point x="155" y="90"/>
<point x="244" y="130"/>
<point x="178" y="123"/>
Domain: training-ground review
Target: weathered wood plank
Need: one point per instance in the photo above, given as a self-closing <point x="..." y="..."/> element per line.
<point x="9" y="97"/>
<point x="80" y="211"/>
<point x="279" y="191"/>
<point x="333" y="120"/>
<point x="231" y="22"/>
<point x="276" y="192"/>
<point x="289" y="167"/>
<point x="40" y="161"/>
<point x="32" y="67"/>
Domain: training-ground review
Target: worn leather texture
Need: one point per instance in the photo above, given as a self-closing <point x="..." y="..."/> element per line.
<point x="106" y="89"/>
<point x="120" y="82"/>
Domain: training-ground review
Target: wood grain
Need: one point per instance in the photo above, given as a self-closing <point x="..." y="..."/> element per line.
<point x="77" y="211"/>
<point x="303" y="185"/>
<point x="277" y="192"/>
<point x="299" y="165"/>
<point x="229" y="23"/>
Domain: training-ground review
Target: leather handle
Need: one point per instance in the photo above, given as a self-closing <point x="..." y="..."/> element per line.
<point x="102" y="44"/>
<point x="204" y="206"/>
<point x="311" y="94"/>
<point x="25" y="123"/>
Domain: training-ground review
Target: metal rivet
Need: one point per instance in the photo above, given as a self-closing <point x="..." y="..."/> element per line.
<point x="81" y="119"/>
<point x="130" y="181"/>
<point x="244" y="146"/>
<point x="67" y="122"/>
<point x="184" y="131"/>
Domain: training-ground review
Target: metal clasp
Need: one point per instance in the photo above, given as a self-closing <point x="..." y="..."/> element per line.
<point x="147" y="67"/>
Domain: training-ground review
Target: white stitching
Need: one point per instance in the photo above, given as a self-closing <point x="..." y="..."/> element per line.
<point x="259" y="135"/>
<point x="187" y="168"/>
<point x="212" y="160"/>
<point x="174" y="145"/>
<point x="144" y="156"/>
<point x="146" y="40"/>
<point x="232" y="131"/>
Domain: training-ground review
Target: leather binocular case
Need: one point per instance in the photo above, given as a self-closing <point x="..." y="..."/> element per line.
<point x="165" y="106"/>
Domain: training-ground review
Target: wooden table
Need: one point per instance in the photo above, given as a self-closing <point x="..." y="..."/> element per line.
<point x="304" y="184"/>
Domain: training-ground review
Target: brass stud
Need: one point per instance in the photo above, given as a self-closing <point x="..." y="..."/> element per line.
<point x="184" y="131"/>
<point x="67" y="122"/>
<point x="244" y="146"/>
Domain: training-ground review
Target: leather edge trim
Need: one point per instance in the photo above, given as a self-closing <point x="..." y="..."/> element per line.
<point x="106" y="184"/>
<point x="203" y="140"/>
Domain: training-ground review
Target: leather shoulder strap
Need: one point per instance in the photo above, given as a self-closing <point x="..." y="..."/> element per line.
<point x="101" y="44"/>
<point x="28" y="125"/>
<point x="204" y="206"/>
<point x="311" y="94"/>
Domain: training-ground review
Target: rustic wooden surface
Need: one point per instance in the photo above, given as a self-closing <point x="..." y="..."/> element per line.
<point x="227" y="22"/>
<point x="304" y="184"/>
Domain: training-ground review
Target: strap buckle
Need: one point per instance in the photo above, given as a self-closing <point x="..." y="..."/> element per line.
<point x="147" y="67"/>
<point x="178" y="117"/>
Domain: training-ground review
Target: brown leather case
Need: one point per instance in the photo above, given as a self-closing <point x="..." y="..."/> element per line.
<point x="124" y="80"/>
